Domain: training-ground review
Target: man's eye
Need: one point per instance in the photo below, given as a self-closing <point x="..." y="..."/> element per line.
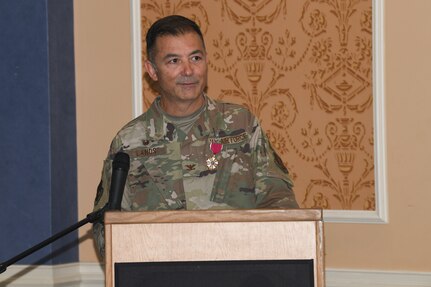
<point x="173" y="61"/>
<point x="196" y="58"/>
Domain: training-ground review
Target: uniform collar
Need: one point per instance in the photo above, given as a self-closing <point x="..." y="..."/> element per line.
<point x="209" y="123"/>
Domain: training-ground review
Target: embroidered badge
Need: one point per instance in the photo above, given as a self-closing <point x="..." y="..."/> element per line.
<point x="234" y="139"/>
<point x="147" y="152"/>
<point x="212" y="162"/>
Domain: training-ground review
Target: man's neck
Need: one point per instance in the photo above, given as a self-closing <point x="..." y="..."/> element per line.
<point x="182" y="108"/>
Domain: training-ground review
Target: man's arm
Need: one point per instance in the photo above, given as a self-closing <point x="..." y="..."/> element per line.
<point x="274" y="187"/>
<point x="101" y="200"/>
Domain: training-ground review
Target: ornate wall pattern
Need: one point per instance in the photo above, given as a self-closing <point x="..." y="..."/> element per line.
<point x="304" y="68"/>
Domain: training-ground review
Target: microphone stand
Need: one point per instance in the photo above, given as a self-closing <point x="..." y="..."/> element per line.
<point x="91" y="217"/>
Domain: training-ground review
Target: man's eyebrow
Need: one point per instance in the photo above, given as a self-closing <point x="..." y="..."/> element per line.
<point x="197" y="52"/>
<point x="173" y="55"/>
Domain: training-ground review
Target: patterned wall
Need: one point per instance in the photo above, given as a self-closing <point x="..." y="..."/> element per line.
<point x="304" y="68"/>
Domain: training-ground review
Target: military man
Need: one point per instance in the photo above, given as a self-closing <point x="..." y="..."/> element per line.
<point x="188" y="151"/>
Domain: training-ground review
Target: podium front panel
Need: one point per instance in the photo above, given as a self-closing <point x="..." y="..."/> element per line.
<point x="157" y="240"/>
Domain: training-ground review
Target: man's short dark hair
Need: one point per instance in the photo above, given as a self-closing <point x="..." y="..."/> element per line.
<point x="172" y="25"/>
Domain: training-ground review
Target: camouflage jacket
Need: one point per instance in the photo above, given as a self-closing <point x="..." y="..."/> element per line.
<point x="249" y="173"/>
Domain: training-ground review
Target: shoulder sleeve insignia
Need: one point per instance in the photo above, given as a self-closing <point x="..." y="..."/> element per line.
<point x="280" y="163"/>
<point x="99" y="193"/>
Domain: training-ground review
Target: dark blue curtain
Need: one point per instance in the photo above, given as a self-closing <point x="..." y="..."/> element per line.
<point x="38" y="185"/>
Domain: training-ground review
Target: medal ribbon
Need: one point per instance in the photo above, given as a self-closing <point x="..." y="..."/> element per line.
<point x="212" y="162"/>
<point x="216" y="147"/>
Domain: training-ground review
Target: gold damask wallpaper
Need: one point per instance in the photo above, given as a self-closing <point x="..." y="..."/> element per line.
<point x="304" y="68"/>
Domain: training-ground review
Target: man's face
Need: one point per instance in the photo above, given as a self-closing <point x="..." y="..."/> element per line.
<point x="180" y="68"/>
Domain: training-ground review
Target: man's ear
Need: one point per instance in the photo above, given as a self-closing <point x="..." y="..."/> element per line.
<point x="151" y="70"/>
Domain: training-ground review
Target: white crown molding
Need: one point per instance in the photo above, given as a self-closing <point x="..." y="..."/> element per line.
<point x="135" y="12"/>
<point x="92" y="275"/>
<point x="380" y="215"/>
<point x="379" y="112"/>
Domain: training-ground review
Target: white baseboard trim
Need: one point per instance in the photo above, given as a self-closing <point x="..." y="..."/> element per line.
<point x="376" y="278"/>
<point x="64" y="275"/>
<point x="92" y="275"/>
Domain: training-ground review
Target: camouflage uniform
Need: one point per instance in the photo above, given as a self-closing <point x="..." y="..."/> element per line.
<point x="163" y="159"/>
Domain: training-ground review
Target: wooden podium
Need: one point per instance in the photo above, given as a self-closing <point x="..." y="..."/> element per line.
<point x="215" y="235"/>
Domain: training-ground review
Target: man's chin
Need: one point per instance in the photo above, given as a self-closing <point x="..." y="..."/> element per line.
<point x="190" y="94"/>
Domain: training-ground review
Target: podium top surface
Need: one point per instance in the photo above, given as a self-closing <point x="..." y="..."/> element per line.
<point x="195" y="216"/>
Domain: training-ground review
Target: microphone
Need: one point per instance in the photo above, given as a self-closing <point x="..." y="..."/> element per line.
<point x="120" y="168"/>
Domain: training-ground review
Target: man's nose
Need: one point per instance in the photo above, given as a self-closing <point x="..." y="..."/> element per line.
<point x="187" y="68"/>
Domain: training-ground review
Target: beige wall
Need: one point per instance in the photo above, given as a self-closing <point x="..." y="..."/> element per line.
<point x="104" y="91"/>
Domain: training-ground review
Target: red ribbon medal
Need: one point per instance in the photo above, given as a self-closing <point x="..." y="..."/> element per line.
<point x="212" y="162"/>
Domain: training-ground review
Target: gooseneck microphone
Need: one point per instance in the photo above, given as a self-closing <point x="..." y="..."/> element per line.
<point x="120" y="168"/>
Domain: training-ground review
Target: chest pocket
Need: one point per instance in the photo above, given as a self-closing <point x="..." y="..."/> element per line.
<point x="155" y="177"/>
<point x="234" y="182"/>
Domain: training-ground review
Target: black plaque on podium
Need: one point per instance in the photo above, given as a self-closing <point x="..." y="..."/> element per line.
<point x="267" y="273"/>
